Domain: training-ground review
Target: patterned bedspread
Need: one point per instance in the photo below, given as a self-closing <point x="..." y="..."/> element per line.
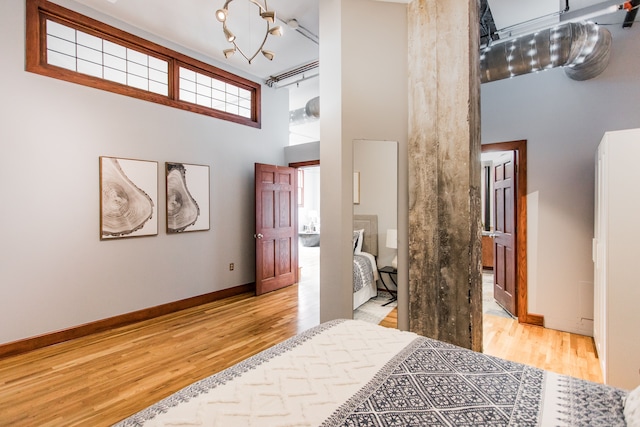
<point x="362" y="272"/>
<point x="352" y="373"/>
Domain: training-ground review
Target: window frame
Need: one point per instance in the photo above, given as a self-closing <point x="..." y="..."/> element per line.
<point x="39" y="11"/>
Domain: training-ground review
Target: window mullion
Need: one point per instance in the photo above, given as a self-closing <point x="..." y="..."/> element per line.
<point x="126" y="64"/>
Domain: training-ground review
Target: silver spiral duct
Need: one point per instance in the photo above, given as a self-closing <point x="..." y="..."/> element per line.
<point x="310" y="112"/>
<point x="583" y="48"/>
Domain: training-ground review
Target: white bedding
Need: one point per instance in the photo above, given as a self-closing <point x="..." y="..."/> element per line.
<point x="356" y="373"/>
<point x="302" y="386"/>
<point x="364" y="295"/>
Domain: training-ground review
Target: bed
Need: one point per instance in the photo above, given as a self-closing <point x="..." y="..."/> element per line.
<point x="355" y="373"/>
<point x="365" y="250"/>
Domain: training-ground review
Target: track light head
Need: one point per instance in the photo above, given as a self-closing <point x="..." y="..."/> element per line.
<point x="229" y="35"/>
<point x="276" y="31"/>
<point x="269" y="16"/>
<point x="221" y="14"/>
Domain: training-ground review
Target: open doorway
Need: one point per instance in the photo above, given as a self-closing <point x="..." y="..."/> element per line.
<point x="309" y="232"/>
<point x="519" y="230"/>
<point x="498" y="265"/>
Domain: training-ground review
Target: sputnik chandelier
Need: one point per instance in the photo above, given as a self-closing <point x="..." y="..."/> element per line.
<point x="269" y="17"/>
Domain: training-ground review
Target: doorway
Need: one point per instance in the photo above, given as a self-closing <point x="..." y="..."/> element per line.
<point x="309" y="232"/>
<point x="519" y="148"/>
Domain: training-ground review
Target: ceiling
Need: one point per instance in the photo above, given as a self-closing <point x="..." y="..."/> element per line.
<point x="192" y="24"/>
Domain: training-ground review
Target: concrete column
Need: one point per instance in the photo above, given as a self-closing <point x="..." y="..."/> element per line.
<point x="445" y="278"/>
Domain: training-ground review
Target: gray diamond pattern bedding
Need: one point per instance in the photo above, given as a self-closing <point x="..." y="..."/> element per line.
<point x="353" y="373"/>
<point x="362" y="272"/>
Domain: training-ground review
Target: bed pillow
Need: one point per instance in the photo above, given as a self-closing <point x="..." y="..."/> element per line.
<point x="358" y="238"/>
<point x="632" y="408"/>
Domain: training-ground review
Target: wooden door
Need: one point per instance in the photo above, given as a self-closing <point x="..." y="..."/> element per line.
<point x="276" y="227"/>
<point x="504" y="261"/>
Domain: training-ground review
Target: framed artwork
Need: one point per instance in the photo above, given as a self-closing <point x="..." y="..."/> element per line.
<point x="356" y="188"/>
<point x="187" y="197"/>
<point x="128" y="198"/>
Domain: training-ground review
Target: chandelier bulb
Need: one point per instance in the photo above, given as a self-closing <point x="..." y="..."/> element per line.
<point x="268" y="15"/>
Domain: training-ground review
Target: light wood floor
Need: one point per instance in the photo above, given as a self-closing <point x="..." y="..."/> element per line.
<point x="101" y="379"/>
<point x="555" y="351"/>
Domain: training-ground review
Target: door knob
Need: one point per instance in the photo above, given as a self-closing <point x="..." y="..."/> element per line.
<point x="258" y="236"/>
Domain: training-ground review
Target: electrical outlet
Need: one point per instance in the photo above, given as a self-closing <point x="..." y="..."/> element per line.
<point x="232" y="266"/>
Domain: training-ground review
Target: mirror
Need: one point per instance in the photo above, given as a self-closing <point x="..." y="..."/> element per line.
<point x="375" y="164"/>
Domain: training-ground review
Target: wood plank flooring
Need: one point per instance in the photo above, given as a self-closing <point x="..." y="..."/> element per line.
<point x="101" y="379"/>
<point x="556" y="351"/>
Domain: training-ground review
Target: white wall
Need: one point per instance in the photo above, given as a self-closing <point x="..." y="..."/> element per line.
<point x="363" y="97"/>
<point x="55" y="272"/>
<point x="302" y="152"/>
<point x="563" y="122"/>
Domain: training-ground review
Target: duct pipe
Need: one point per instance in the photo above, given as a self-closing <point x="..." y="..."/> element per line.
<point x="310" y="112"/>
<point x="583" y="48"/>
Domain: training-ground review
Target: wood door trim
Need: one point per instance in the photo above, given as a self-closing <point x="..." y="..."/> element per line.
<point x="521" y="231"/>
<point x="304" y="164"/>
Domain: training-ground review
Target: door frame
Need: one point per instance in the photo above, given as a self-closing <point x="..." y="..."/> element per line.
<point x="303" y="164"/>
<point x="520" y="147"/>
<point x="298" y="165"/>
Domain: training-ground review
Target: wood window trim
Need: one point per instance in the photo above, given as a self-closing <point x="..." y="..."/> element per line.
<point x="38" y="11"/>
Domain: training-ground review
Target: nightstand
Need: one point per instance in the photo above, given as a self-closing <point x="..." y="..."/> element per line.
<point x="392" y="273"/>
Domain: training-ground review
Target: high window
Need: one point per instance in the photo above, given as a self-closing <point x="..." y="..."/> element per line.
<point x="69" y="46"/>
